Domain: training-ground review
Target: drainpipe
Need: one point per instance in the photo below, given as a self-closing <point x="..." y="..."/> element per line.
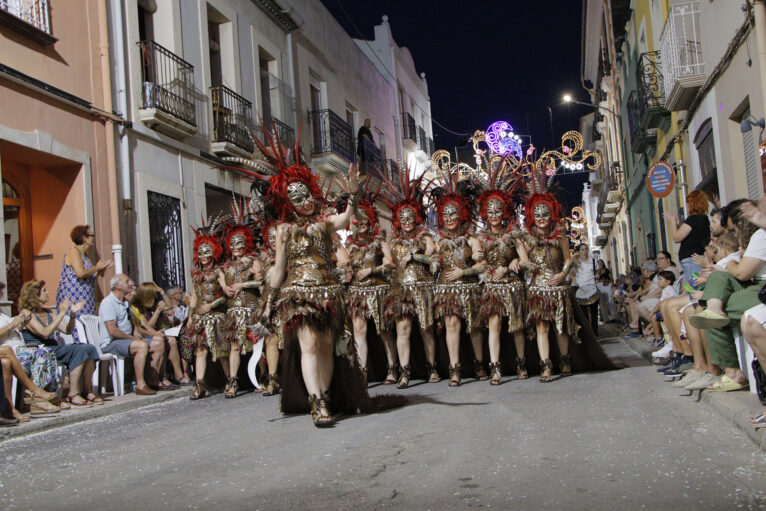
<point x="111" y="166"/>
<point x="759" y="12"/>
<point x="118" y="33"/>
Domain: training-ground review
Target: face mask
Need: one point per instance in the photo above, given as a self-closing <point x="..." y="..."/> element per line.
<point x="205" y="252"/>
<point x="407" y="217"/>
<point x="450" y="213"/>
<point x="542" y="213"/>
<point x="273" y="236"/>
<point x="494" y="209"/>
<point x="237" y="242"/>
<point x="299" y="195"/>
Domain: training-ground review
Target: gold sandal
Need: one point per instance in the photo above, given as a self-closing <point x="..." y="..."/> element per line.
<point x="495" y="373"/>
<point x="454" y="375"/>
<point x="546" y="367"/>
<point x="320" y="410"/>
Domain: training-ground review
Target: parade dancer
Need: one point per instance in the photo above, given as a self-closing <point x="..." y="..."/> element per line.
<point x="310" y="301"/>
<point x="504" y="295"/>
<point x="410" y="250"/>
<point x="549" y="298"/>
<point x="457" y="291"/>
<point x="240" y="277"/>
<point x="206" y="315"/>
<point x="366" y="293"/>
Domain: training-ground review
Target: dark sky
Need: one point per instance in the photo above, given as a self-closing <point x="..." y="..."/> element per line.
<point x="488" y="60"/>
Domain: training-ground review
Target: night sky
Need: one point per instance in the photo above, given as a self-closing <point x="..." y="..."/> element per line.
<point x="486" y="61"/>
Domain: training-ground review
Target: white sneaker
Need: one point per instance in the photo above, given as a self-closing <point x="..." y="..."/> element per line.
<point x="689" y="378"/>
<point x="663" y="352"/>
<point x="703" y="383"/>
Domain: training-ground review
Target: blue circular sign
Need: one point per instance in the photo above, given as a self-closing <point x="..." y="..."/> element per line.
<point x="660" y="179"/>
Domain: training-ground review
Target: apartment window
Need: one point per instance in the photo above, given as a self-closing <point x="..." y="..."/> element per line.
<point x="216" y="25"/>
<point x="705" y="145"/>
<point x="31" y="18"/>
<point x="145" y="20"/>
<point x="218" y="200"/>
<point x="264" y="62"/>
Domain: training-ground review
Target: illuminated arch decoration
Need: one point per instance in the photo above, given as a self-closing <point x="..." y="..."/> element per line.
<point x="577" y="226"/>
<point x="502" y="140"/>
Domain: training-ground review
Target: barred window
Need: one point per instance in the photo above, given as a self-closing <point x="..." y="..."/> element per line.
<point x="30" y="17"/>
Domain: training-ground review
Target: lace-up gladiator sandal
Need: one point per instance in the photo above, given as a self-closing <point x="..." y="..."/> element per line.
<point x="320" y="410"/>
<point x="546" y="367"/>
<point x="392" y="376"/>
<point x="521" y="368"/>
<point x="495" y="373"/>
<point x="454" y="375"/>
<point x="433" y="374"/>
<point x="404" y="378"/>
<point x="478" y="367"/>
<point x="566" y="365"/>
<point x="231" y="389"/>
<point x="200" y="390"/>
<point x="273" y="387"/>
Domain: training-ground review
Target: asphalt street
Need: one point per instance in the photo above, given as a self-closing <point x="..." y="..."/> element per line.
<point x="609" y="440"/>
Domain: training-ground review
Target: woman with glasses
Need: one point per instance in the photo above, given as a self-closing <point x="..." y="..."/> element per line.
<point x="78" y="273"/>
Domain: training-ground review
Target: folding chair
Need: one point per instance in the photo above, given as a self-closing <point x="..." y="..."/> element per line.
<point x="93" y="330"/>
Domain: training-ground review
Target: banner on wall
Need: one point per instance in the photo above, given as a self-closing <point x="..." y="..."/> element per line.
<point x="660" y="179"/>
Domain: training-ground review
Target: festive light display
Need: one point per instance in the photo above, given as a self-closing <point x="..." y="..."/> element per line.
<point x="502" y="140"/>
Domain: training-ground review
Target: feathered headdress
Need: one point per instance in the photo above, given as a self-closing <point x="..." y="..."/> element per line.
<point x="542" y="198"/>
<point x="240" y="222"/>
<point x="448" y="191"/>
<point x="503" y="182"/>
<point x="404" y="194"/>
<point x="367" y="198"/>
<point x="208" y="235"/>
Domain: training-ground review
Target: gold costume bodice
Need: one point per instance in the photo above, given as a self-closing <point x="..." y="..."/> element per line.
<point x="309" y="256"/>
<point x="456" y="253"/>
<point x="366" y="255"/>
<point x="413" y="272"/>
<point x="238" y="272"/>
<point x="206" y="286"/>
<point x="500" y="250"/>
<point x="547" y="257"/>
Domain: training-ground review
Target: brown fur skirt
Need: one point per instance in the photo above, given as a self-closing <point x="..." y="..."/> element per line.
<point x="554" y="305"/>
<point x="368" y="302"/>
<point x="414" y="301"/>
<point x="207" y="331"/>
<point x="506" y="300"/>
<point x="458" y="299"/>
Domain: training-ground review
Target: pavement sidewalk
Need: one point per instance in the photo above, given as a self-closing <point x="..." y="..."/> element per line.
<point x="74" y="415"/>
<point x="735" y="407"/>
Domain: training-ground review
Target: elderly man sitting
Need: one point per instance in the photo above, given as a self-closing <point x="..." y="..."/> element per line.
<point x="116" y="312"/>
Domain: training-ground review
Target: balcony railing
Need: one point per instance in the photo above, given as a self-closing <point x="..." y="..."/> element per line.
<point x="651" y="90"/>
<point x="430" y="146"/>
<point x="168" y="82"/>
<point x="409" y="128"/>
<point x="331" y="134"/>
<point x="232" y="118"/>
<point x="604" y="66"/>
<point x="371" y="156"/>
<point x="422" y="142"/>
<point x="640" y="138"/>
<point x="391" y="169"/>
<point x="681" y="46"/>
<point x="35" y="15"/>
<point x="280" y="130"/>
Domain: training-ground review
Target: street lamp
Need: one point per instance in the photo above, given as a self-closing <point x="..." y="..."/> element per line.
<point x="569" y="99"/>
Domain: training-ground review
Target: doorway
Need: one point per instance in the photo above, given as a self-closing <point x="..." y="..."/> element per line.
<point x="18" y="239"/>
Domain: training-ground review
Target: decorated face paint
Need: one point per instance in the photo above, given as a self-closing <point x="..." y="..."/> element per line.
<point x="237" y="244"/>
<point x="407" y="219"/>
<point x="205" y="254"/>
<point x="300" y="197"/>
<point x="495" y="211"/>
<point x="451" y="216"/>
<point x="542" y="215"/>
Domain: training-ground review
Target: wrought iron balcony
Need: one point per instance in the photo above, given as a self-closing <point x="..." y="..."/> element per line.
<point x="604" y="66"/>
<point x="640" y="138"/>
<point x="409" y="132"/>
<point x="392" y="170"/>
<point x="332" y="145"/>
<point x="371" y="156"/>
<point x="682" y="63"/>
<point x="280" y="130"/>
<point x="167" y="92"/>
<point x="232" y="120"/>
<point x="651" y="90"/>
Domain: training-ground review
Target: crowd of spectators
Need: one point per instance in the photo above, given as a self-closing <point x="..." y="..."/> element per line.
<point x="57" y="373"/>
<point x="696" y="316"/>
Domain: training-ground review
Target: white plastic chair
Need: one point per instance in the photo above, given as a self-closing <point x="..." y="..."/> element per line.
<point x="93" y="330"/>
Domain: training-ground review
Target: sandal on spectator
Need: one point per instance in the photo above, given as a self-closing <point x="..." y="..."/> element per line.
<point x="43" y="408"/>
<point x="78" y="401"/>
<point x="726" y="384"/>
<point x="96" y="400"/>
<point x="708" y="319"/>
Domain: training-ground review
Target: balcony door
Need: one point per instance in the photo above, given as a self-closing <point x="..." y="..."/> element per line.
<point x="18" y="237"/>
<point x="316" y="105"/>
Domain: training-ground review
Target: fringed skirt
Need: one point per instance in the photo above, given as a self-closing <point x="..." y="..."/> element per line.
<point x="458" y="299"/>
<point x="237" y="328"/>
<point x="368" y="302"/>
<point x="413" y="301"/>
<point x="505" y="300"/>
<point x="321" y="307"/>
<point x="207" y="331"/>
<point x="554" y="305"/>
